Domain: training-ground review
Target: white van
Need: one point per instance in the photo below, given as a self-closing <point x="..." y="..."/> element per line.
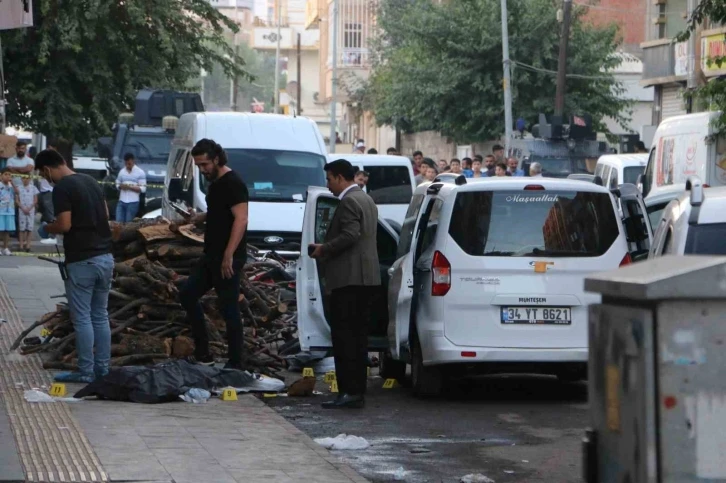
<point x="487" y="276"/>
<point x="683" y="146"/>
<point x="277" y="156"/>
<point x="616" y="169"/>
<point x="390" y="182"/>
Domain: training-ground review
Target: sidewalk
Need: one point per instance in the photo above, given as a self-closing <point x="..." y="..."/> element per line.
<point x="242" y="441"/>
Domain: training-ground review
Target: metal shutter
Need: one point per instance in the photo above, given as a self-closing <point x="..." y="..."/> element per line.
<point x="672" y="102"/>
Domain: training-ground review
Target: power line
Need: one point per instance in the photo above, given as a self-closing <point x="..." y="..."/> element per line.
<point x="548" y="71"/>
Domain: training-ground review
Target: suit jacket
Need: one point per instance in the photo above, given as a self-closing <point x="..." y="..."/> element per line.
<point x="350" y="254"/>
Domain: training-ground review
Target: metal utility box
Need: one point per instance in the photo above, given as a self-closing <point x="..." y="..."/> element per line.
<point x="657" y="373"/>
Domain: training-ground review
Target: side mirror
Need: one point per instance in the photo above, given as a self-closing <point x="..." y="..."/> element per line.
<point x="639" y="183"/>
<point x="176" y="191"/>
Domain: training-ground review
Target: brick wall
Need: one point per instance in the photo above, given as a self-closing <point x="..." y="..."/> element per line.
<point x="628" y="14"/>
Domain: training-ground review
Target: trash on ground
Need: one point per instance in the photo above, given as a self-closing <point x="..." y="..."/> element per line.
<point x="35" y="395"/>
<point x="399" y="474"/>
<point x="303" y="387"/>
<point x="476" y="478"/>
<point x="509" y="472"/>
<point x="196" y="395"/>
<point x="343" y="442"/>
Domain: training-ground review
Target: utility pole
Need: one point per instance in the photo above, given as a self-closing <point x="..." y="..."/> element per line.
<point x="277" y="59"/>
<point x="2" y="92"/>
<point x="562" y="64"/>
<point x="334" y="80"/>
<point x="507" y="80"/>
<point x="692" y="80"/>
<point x="299" y="76"/>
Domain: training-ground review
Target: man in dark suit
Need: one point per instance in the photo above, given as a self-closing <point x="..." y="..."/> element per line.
<point x="348" y="260"/>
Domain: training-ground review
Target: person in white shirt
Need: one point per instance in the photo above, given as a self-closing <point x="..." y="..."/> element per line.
<point x="20" y="164"/>
<point x="131" y="182"/>
<point x="535" y="170"/>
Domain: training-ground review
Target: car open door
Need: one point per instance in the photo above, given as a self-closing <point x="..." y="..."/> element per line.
<point x="401" y="294"/>
<point x="313" y="326"/>
<point x="635" y="220"/>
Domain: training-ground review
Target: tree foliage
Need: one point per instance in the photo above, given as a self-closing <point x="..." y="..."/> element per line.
<point x="711" y="95"/>
<point x="84" y="60"/>
<point x="439" y="66"/>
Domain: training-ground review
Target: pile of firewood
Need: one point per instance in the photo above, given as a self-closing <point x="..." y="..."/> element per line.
<point x="153" y="259"/>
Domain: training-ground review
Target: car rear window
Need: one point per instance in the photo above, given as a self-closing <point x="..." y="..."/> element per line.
<point x="706" y="239"/>
<point x="389" y="185"/>
<point x="631" y="173"/>
<point x="534" y="223"/>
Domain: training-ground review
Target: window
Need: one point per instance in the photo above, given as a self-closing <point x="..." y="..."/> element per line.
<point x="668" y="241"/>
<point x="148" y="148"/>
<point x="188" y="171"/>
<point x="352" y="44"/>
<point x="276" y="176"/>
<point x="648" y="177"/>
<point x="631" y="173"/>
<point x="706" y="239"/>
<point x="613" y="179"/>
<point x="544" y="223"/>
<point x="432" y="224"/>
<point x="386" y="244"/>
<point x="655" y="213"/>
<point x="561" y="167"/>
<point x="389" y="185"/>
<point x="89" y="151"/>
<point x="324" y="211"/>
<point x="409" y="223"/>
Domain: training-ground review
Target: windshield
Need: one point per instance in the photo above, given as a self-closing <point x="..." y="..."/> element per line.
<point x="85" y="152"/>
<point x="388" y="185"/>
<point x="561" y="167"/>
<point x="706" y="239"/>
<point x="148" y="148"/>
<point x="630" y="174"/>
<point x="539" y="223"/>
<point x="273" y="175"/>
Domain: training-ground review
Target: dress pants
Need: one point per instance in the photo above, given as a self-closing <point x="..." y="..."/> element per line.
<point x="350" y="315"/>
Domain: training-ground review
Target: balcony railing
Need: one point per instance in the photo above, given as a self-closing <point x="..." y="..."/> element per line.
<point x="351" y="58"/>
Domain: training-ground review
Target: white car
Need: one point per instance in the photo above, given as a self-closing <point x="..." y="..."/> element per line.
<point x="692" y="224"/>
<point x="488" y="276"/>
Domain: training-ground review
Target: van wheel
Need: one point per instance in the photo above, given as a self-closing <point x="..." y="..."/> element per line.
<point x="390" y="368"/>
<point x="426" y="381"/>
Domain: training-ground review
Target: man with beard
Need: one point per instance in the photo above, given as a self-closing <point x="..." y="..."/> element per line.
<point x="20" y="164"/>
<point x="225" y="252"/>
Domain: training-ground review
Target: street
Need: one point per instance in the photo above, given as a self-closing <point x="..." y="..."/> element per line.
<point x="507" y="428"/>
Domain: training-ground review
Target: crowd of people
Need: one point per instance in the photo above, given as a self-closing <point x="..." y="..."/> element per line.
<point x="489" y="166"/>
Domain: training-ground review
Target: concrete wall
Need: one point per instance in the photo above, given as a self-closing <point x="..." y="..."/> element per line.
<point x="432" y="144"/>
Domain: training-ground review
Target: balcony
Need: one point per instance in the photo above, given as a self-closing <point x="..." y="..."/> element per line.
<point x="663" y="62"/>
<point x="265" y="38"/>
<point x="313" y="13"/>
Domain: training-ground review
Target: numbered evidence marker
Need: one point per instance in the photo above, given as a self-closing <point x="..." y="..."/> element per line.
<point x="334" y="386"/>
<point x="45" y="332"/>
<point x="389" y="384"/>
<point x="229" y="394"/>
<point x="329" y="377"/>
<point x="308" y="372"/>
<point x="57" y="389"/>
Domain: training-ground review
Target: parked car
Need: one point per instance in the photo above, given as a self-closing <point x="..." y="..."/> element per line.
<point x="692" y="224"/>
<point x="487" y="276"/>
<point x="616" y="169"/>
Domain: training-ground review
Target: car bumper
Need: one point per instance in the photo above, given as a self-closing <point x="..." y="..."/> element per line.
<point x="437" y="349"/>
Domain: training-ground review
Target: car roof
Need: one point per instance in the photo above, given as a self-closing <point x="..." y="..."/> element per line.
<point x="374" y="159"/>
<point x="624" y="160"/>
<point x="713" y="208"/>
<point x="512" y="183"/>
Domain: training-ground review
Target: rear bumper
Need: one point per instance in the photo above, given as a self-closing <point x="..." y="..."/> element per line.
<point x="437" y="349"/>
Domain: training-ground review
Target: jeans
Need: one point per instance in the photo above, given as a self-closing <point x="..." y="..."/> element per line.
<point x="87" y="287"/>
<point x="207" y="274"/>
<point x="126" y="212"/>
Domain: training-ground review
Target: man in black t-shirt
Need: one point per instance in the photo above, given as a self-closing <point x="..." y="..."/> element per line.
<point x="81" y="216"/>
<point x="225" y="253"/>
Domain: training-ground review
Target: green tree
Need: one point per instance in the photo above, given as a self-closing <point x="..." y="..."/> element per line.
<point x="439" y="66"/>
<point x="84" y="60"/>
<point x="712" y="95"/>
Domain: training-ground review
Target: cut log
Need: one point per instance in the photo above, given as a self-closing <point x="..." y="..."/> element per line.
<point x="175" y="252"/>
<point x="156" y="232"/>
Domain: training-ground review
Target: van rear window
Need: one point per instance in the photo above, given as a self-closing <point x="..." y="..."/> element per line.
<point x="706" y="239"/>
<point x="534" y="223"/>
<point x="389" y="185"/>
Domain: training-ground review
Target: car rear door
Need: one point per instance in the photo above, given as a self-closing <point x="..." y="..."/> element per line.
<point x="518" y="260"/>
<point x="635" y="221"/>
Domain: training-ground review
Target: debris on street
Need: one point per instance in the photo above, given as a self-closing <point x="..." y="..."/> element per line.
<point x="476" y="478"/>
<point x="148" y="325"/>
<point x="36" y="395"/>
<point x="343" y="442"/>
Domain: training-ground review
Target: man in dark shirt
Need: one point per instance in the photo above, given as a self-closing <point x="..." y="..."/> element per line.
<point x="225" y="252"/>
<point x="81" y="216"/>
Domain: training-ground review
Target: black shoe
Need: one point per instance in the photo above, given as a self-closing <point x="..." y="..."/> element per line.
<point x="345" y="401"/>
<point x="202" y="361"/>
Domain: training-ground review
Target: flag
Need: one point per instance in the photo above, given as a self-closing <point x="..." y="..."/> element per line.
<point x="578" y="121"/>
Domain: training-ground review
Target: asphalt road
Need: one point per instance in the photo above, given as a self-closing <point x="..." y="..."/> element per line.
<point x="507" y="428"/>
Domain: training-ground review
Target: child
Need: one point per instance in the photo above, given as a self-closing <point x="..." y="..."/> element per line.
<point x="27" y="201"/>
<point x="7" y="209"/>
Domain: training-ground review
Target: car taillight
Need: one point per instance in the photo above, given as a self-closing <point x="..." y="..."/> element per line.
<point x="626" y="260"/>
<point x="534" y="187"/>
<point x="706" y="185"/>
<point x="440" y="275"/>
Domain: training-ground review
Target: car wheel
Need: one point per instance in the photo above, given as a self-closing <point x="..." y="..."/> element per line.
<point x="426" y="381"/>
<point x="391" y="368"/>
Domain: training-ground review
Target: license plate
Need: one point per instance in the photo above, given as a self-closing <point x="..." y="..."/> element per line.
<point x="537" y="315"/>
